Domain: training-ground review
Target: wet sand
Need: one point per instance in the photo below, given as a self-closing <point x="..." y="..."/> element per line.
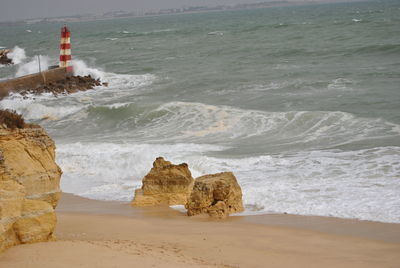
<point x="112" y="234"/>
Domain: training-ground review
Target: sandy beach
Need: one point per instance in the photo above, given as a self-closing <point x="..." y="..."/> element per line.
<point x="112" y="234"/>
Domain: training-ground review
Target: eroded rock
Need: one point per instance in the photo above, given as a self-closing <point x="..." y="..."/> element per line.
<point x="165" y="184"/>
<point x="217" y="195"/>
<point x="37" y="222"/>
<point x="29" y="186"/>
<point x="28" y="157"/>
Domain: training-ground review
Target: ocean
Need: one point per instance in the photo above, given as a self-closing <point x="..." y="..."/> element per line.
<point x="302" y="103"/>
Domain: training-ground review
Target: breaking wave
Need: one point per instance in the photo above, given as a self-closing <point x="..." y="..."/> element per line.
<point x="17" y="55"/>
<point x="196" y="122"/>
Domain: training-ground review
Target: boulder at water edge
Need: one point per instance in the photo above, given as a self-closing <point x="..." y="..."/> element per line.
<point x="217" y="195"/>
<point x="165" y="184"/>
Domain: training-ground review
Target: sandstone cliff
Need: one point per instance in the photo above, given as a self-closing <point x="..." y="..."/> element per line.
<point x="165" y="184"/>
<point x="29" y="186"/>
<point x="217" y="195"/>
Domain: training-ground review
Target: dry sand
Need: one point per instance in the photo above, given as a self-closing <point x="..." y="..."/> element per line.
<point x="111" y="234"/>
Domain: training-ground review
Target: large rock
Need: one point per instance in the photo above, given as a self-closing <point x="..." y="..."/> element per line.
<point x="29" y="186"/>
<point x="217" y="195"/>
<point x="28" y="156"/>
<point x="165" y="184"/>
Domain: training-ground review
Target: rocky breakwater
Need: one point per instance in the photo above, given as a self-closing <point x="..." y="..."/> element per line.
<point x="165" y="184"/>
<point x="29" y="182"/>
<point x="217" y="195"/>
<point x="71" y="84"/>
<point x="3" y="57"/>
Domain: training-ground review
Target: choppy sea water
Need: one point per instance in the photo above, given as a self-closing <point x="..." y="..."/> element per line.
<point x="301" y="103"/>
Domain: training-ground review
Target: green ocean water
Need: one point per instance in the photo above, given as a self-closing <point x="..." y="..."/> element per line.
<point x="301" y="103"/>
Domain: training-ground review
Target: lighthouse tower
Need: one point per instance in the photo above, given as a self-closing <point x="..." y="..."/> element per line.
<point x="65" y="49"/>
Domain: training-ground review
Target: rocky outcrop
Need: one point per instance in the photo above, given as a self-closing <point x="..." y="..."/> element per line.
<point x="3" y="56"/>
<point x="217" y="195"/>
<point x="165" y="184"/>
<point x="28" y="157"/>
<point x="29" y="186"/>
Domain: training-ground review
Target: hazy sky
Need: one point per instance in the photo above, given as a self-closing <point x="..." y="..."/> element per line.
<point x="23" y="9"/>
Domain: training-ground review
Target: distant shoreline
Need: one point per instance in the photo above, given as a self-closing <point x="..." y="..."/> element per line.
<point x="172" y="11"/>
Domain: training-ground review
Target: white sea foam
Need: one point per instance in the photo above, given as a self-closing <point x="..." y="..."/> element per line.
<point x="17" y="55"/>
<point x="110" y="171"/>
<point x="342" y="84"/>
<point x="361" y="184"/>
<point x="216" y="33"/>
<point x="118" y="105"/>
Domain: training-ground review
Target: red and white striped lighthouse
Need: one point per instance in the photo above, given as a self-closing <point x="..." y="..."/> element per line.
<point x="65" y="49"/>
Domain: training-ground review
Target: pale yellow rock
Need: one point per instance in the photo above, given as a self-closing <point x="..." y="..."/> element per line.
<point x="28" y="157"/>
<point x="217" y="195"/>
<point x="11" y="202"/>
<point x="37" y="222"/>
<point x="165" y="184"/>
<point x="12" y="195"/>
<point x="29" y="186"/>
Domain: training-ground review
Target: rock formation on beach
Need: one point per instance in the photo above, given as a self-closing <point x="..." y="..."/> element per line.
<point x="29" y="182"/>
<point x="217" y="195"/>
<point x="3" y="57"/>
<point x="165" y="184"/>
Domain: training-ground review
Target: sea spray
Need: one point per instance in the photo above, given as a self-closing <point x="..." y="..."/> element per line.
<point x="82" y="69"/>
<point x="17" y="55"/>
<point x="32" y="66"/>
